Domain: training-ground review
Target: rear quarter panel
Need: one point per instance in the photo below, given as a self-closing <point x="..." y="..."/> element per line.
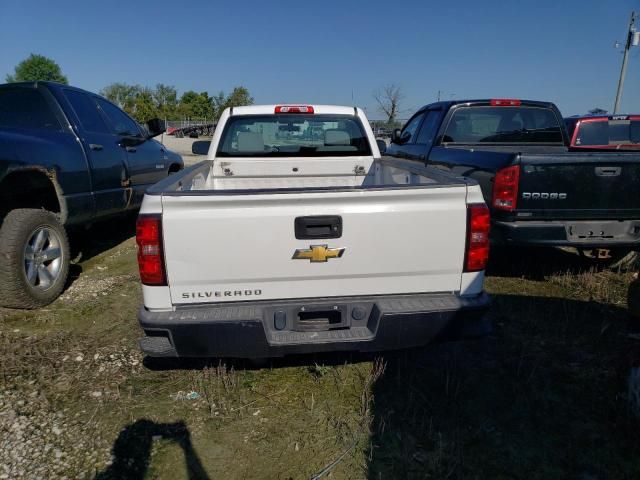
<point x="55" y="153"/>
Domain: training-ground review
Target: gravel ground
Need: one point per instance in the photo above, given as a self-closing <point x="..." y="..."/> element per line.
<point x="38" y="441"/>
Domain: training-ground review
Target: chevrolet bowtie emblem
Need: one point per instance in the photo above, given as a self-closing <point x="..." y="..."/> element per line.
<point x="317" y="253"/>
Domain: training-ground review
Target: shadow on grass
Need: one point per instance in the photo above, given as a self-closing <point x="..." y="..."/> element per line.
<point x="132" y="450"/>
<point x="101" y="236"/>
<point x="543" y="397"/>
<point x="536" y="263"/>
<point x="306" y="360"/>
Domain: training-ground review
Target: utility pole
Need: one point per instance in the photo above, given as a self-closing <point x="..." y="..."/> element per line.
<point x="623" y="71"/>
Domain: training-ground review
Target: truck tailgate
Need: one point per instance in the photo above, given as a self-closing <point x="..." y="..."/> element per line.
<point x="226" y="248"/>
<point x="575" y="185"/>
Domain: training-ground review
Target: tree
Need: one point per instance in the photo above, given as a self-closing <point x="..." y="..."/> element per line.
<point x="37" y="67"/>
<point x="144" y="107"/>
<point x="597" y="111"/>
<point x="166" y="100"/>
<point x="388" y="99"/>
<point x="121" y="94"/>
<point x="238" y="97"/>
<point x="144" y="103"/>
<point x="197" y="105"/>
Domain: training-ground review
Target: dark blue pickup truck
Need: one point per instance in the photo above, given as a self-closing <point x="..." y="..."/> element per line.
<point x="539" y="192"/>
<point x="67" y="157"/>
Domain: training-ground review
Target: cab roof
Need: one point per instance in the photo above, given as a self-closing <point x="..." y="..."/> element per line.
<point x="317" y="109"/>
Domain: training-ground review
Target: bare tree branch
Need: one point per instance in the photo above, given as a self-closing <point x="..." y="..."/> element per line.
<point x="388" y="99"/>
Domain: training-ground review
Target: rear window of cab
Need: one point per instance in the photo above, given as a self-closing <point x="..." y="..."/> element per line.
<point x="492" y="124"/>
<point x="606" y="132"/>
<point x="299" y="135"/>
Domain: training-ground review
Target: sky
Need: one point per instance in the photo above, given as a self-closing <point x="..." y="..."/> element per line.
<point x="337" y="51"/>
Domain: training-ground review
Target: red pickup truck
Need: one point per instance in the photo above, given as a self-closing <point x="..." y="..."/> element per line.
<point x="611" y="132"/>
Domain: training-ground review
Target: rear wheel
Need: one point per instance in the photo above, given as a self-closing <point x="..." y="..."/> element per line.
<point x="34" y="258"/>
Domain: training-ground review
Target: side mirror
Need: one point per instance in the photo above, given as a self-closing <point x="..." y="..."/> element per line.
<point x="395" y="135"/>
<point x="155" y="127"/>
<point x="382" y="145"/>
<point x="201" y="147"/>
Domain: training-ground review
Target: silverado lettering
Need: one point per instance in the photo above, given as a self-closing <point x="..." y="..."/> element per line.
<point x="222" y="293"/>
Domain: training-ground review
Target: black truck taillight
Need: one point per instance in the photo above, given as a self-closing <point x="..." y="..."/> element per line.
<point x="478" y="223"/>
<point x="150" y="256"/>
<point x="505" y="188"/>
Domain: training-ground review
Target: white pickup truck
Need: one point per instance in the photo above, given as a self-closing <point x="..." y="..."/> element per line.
<point x="296" y="236"/>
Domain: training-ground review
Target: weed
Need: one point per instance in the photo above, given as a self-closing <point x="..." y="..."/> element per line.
<point x="319" y="371"/>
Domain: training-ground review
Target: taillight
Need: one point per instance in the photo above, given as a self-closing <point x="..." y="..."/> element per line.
<point x="150" y="257"/>
<point x="294" y="109"/>
<point x="478" y="223"/>
<point x="505" y="102"/>
<point x="505" y="188"/>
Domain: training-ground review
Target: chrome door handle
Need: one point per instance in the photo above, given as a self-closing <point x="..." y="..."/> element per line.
<point x="95" y="146"/>
<point x="130" y="149"/>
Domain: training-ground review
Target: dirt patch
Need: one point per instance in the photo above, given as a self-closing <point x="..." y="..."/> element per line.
<point x="87" y="288"/>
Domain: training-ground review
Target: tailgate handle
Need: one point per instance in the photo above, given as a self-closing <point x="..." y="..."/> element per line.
<point x="318" y="227"/>
<point x="608" y="171"/>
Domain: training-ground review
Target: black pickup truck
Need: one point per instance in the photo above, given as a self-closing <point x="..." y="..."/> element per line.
<point x="67" y="157"/>
<point x="540" y="193"/>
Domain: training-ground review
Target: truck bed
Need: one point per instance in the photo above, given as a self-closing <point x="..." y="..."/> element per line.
<point x="295" y="175"/>
<point x="403" y="228"/>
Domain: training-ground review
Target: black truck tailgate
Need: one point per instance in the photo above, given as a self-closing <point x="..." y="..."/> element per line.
<point x="579" y="186"/>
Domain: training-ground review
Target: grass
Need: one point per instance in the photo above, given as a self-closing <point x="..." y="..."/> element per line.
<point x="543" y="397"/>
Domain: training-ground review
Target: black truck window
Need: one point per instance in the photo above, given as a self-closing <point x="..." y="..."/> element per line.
<point x="410" y="130"/>
<point x="429" y="128"/>
<point x="634" y="131"/>
<point x="121" y="123"/>
<point x="86" y="111"/>
<point x="608" y="132"/>
<point x="26" y="108"/>
<point x="503" y="125"/>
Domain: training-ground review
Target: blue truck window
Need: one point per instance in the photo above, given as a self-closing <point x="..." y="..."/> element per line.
<point x="503" y="125"/>
<point x="26" y="108"/>
<point x="408" y="134"/>
<point x="87" y="112"/>
<point x="121" y="123"/>
<point x="428" y="128"/>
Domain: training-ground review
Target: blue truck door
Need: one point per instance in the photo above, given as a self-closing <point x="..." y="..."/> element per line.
<point x="145" y="156"/>
<point x="407" y="149"/>
<point x="107" y="160"/>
